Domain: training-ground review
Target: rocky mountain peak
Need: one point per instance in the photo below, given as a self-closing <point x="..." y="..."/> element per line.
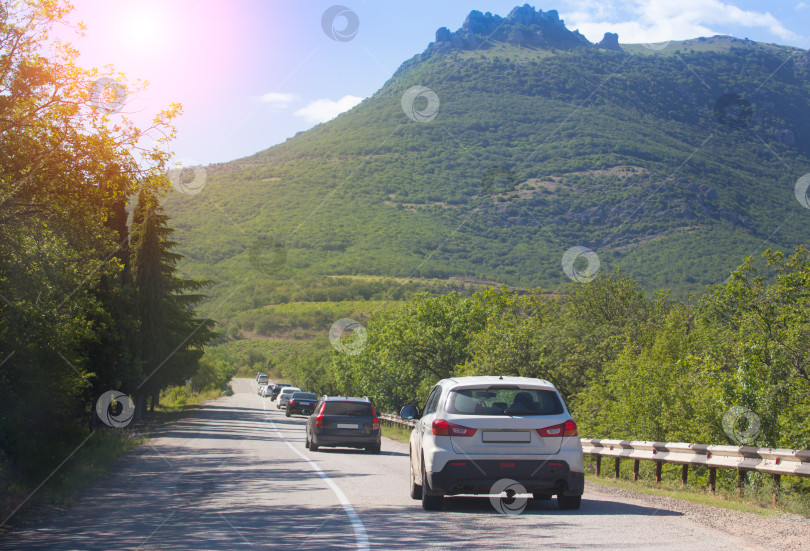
<point x="524" y="26"/>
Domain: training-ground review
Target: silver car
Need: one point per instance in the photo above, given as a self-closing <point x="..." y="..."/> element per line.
<point x="284" y="396"/>
<point x="476" y="432"/>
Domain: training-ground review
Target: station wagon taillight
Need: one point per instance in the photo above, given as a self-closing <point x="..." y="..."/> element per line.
<point x="375" y="423"/>
<point x="569" y="428"/>
<point x="444" y="428"/>
<point x="319" y="418"/>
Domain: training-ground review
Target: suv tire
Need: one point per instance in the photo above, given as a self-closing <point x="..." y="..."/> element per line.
<point x="568" y="503"/>
<point x="416" y="490"/>
<point x="430" y="500"/>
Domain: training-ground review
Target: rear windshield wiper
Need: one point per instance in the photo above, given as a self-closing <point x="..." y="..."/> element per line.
<point x="518" y="411"/>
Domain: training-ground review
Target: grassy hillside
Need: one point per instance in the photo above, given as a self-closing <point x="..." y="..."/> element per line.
<point x="532" y="151"/>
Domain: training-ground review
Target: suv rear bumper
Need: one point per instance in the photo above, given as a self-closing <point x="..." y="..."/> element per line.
<point x="464" y="476"/>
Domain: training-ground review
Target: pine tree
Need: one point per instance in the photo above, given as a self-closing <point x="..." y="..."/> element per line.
<point x="111" y="350"/>
<point x="171" y="336"/>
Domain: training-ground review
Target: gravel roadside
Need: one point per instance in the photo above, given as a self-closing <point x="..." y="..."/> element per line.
<point x="785" y="532"/>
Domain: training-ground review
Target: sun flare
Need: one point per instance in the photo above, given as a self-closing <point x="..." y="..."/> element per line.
<point x="142" y="28"/>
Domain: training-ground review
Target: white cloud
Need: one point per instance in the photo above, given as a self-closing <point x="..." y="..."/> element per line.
<point x="801" y="5"/>
<point x="278" y="99"/>
<point x="322" y="110"/>
<point x="659" y="20"/>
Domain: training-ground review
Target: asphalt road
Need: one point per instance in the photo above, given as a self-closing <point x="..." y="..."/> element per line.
<point x="237" y="476"/>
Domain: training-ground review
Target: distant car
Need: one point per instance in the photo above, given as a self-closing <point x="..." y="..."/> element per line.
<point x="285" y="394"/>
<point x="276" y="389"/>
<point x="302" y="403"/>
<point x="261" y="390"/>
<point x="266" y="390"/>
<point x="259" y="374"/>
<point x="262" y="379"/>
<point x="474" y="431"/>
<point x="343" y="422"/>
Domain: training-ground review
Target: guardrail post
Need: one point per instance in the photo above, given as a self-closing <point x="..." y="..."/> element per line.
<point x="712" y="479"/>
<point x="777" y="484"/>
<point x="598" y="465"/>
<point x="616" y="464"/>
<point x="742" y="478"/>
<point x="658" y="465"/>
<point x="684" y="474"/>
<point x="635" y="470"/>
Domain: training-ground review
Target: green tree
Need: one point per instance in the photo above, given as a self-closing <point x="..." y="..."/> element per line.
<point x="170" y="336"/>
<point x="411" y="348"/>
<point x="66" y="169"/>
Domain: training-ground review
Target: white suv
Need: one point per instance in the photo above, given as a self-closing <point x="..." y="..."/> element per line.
<point x="476" y="431"/>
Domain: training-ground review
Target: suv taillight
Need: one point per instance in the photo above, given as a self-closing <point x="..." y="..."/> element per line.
<point x="291" y="402"/>
<point x="569" y="428"/>
<point x="444" y="428"/>
<point x="319" y="418"/>
<point x="375" y="423"/>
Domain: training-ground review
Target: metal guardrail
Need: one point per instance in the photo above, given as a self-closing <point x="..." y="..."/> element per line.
<point x="743" y="459"/>
<point x="396" y="420"/>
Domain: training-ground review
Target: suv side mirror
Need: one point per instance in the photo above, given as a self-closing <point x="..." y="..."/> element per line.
<point x="409" y="412"/>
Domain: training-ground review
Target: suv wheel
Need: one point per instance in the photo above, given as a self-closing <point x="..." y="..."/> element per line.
<point x="287" y="413"/>
<point x="373" y="449"/>
<point x="430" y="500"/>
<point x="416" y="490"/>
<point x="313" y="447"/>
<point x="568" y="503"/>
<point x="306" y="439"/>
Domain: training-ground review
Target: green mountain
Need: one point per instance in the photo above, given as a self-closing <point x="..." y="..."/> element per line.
<point x="671" y="161"/>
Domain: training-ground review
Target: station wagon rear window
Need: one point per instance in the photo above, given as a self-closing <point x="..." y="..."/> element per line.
<point x="303" y="396"/>
<point x="495" y="400"/>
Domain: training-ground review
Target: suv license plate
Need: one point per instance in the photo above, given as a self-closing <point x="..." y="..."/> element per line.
<point x="506" y="436"/>
<point x="347" y="426"/>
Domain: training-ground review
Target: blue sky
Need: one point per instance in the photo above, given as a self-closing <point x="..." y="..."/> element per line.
<point x="251" y="73"/>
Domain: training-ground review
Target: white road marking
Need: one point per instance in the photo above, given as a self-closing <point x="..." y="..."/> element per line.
<point x="357" y="525"/>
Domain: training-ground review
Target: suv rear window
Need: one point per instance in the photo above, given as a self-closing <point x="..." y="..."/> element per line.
<point x="504" y="401"/>
<point x="352" y="409"/>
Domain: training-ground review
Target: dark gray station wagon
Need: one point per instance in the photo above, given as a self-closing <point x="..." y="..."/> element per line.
<point x="341" y="421"/>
